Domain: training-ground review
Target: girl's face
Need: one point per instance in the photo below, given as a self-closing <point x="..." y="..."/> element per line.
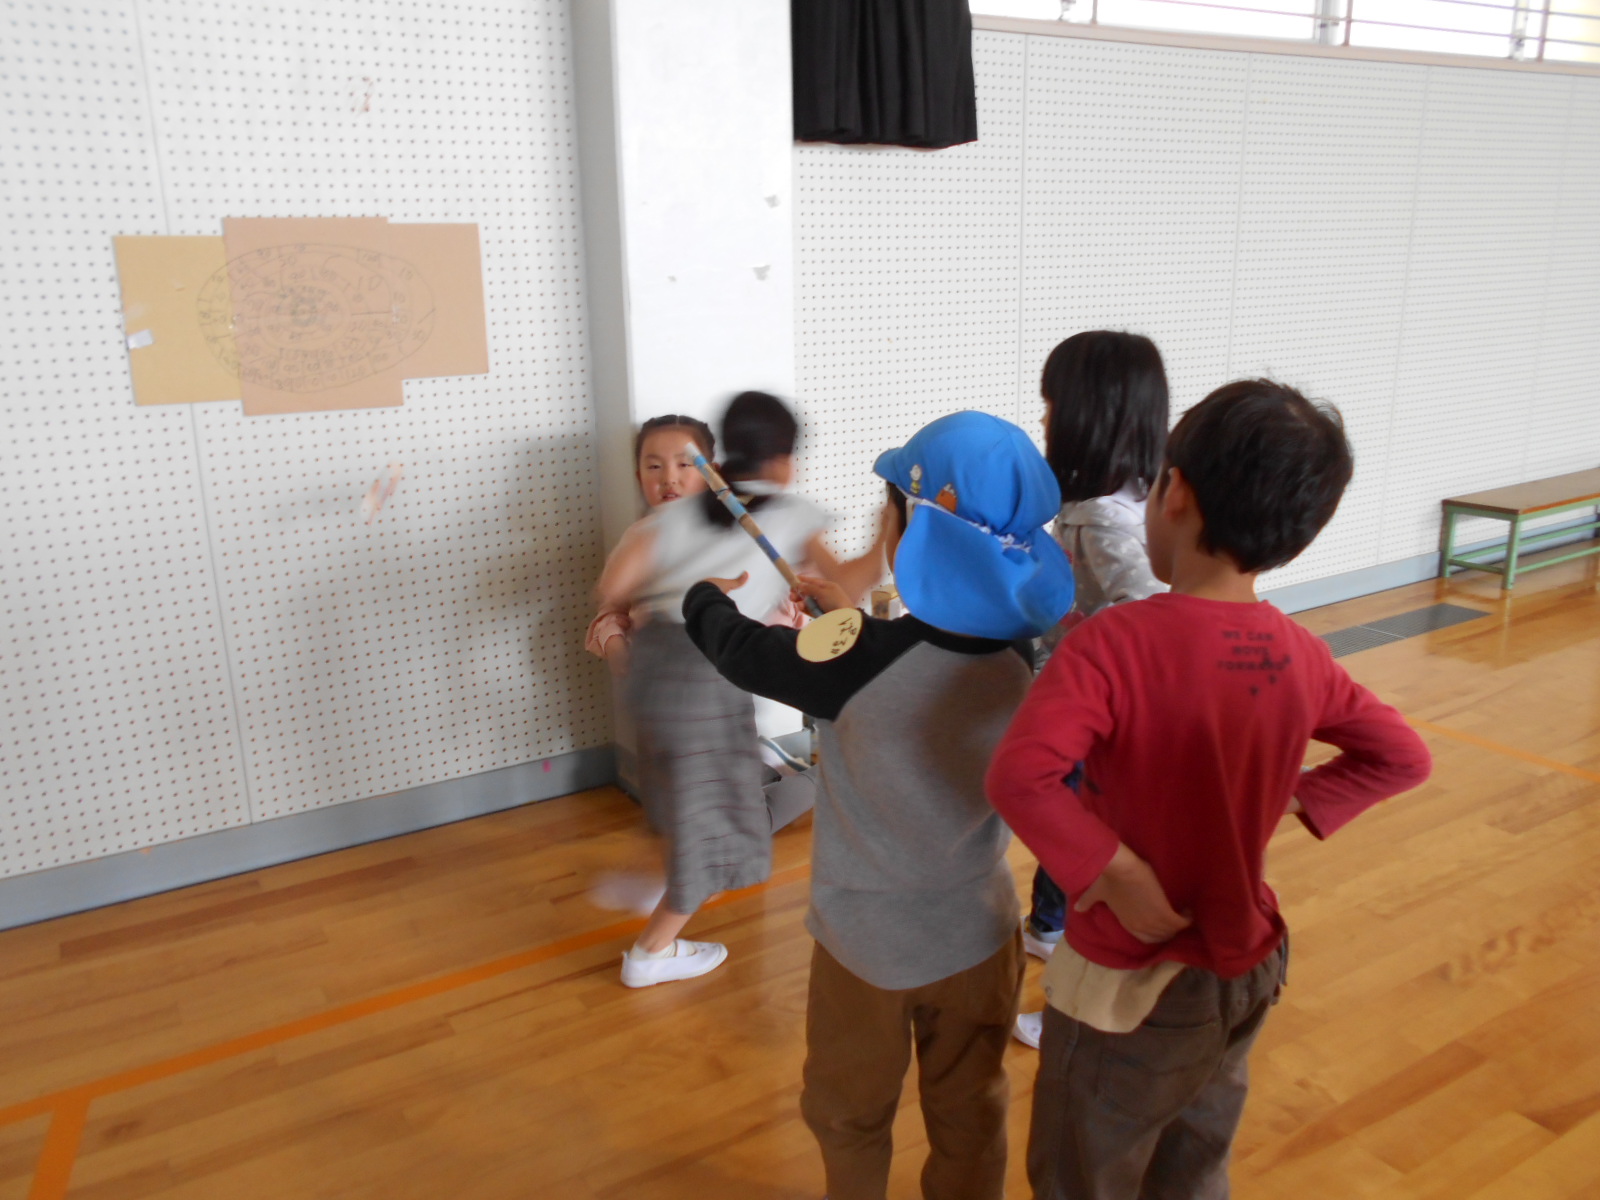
<point x="666" y="468"/>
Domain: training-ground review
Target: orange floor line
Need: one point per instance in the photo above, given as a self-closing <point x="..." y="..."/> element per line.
<point x="137" y="1076"/>
<point x="121" y="1081"/>
<point x="70" y="1106"/>
<point x="1484" y="743"/>
<point x="60" y="1151"/>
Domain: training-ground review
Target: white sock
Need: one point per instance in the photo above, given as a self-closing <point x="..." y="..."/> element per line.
<point x="638" y="951"/>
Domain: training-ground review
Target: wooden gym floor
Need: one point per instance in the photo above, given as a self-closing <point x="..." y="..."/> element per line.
<point x="439" y="1015"/>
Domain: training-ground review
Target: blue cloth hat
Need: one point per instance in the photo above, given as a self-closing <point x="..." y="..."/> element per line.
<point x="976" y="558"/>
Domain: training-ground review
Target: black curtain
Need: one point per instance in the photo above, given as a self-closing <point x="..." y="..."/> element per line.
<point x="894" y="72"/>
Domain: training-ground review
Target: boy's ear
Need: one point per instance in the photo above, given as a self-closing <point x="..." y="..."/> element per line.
<point x="1163" y="476"/>
<point x="1175" y="495"/>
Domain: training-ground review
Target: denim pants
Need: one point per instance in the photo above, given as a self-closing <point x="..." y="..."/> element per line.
<point x="1151" y="1114"/>
<point x="1049" y="912"/>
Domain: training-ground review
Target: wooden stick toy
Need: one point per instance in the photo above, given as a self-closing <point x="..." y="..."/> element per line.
<point x="720" y="489"/>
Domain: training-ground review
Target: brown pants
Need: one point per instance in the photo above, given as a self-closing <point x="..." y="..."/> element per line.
<point x="858" y="1046"/>
<point x="1149" y="1115"/>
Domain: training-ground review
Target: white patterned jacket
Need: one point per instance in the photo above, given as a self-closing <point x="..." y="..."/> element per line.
<point x="1104" y="537"/>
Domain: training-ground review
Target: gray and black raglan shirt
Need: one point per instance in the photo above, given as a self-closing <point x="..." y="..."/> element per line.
<point x="909" y="882"/>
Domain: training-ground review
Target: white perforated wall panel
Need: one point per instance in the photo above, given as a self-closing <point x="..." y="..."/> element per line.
<point x="1330" y="167"/>
<point x="115" y="718"/>
<point x="1487" y="184"/>
<point x="1418" y="245"/>
<point x="1131" y="199"/>
<point x="907" y="267"/>
<point x="1563" y="429"/>
<point x="209" y="632"/>
<point x="440" y="641"/>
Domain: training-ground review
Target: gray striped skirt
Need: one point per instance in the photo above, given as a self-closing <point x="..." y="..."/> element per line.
<point x="698" y="767"/>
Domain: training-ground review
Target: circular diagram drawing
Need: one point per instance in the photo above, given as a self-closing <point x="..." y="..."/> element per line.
<point x="307" y="318"/>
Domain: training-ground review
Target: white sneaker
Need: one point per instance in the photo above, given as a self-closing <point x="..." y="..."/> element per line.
<point x="1028" y="1028"/>
<point x="691" y="959"/>
<point x="1037" y="946"/>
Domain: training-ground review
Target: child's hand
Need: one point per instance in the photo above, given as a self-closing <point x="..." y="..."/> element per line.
<point x="825" y="592"/>
<point x="1130" y="889"/>
<point x="616" y="656"/>
<point x="728" y="585"/>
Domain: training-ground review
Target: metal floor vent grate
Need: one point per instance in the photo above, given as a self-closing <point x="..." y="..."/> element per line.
<point x="1356" y="639"/>
<point x="1398" y="628"/>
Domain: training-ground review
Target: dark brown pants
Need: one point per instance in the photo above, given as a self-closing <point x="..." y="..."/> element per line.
<point x="858" y="1046"/>
<point x="1149" y="1115"/>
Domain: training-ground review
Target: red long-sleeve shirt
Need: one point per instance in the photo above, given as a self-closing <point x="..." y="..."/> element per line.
<point x="1191" y="718"/>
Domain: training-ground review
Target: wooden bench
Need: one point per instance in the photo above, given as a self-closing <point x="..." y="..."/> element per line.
<point x="1515" y="505"/>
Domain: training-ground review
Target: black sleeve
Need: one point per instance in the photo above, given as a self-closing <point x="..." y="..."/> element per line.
<point x="762" y="659"/>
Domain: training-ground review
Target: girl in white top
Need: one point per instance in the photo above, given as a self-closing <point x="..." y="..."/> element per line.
<point x="698" y="765"/>
<point x="1105" y="421"/>
<point x="666" y="472"/>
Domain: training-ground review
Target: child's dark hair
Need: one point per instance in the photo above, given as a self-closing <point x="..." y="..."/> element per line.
<point x="1267" y="467"/>
<point x="756" y="429"/>
<point x="902" y="510"/>
<point x="1108" y="412"/>
<point x="694" y="426"/>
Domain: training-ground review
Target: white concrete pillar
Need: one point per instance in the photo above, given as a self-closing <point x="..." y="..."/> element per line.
<point x="686" y="154"/>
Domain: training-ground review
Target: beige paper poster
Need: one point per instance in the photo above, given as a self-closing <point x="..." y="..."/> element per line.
<point x="323" y="314"/>
<point x="302" y="314"/>
<point x="174" y="289"/>
<point x="447" y="258"/>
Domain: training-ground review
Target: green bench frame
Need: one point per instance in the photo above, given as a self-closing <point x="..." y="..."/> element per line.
<point x="1500" y="505"/>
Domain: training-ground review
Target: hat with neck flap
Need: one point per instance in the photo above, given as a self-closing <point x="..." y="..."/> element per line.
<point x="976" y="558"/>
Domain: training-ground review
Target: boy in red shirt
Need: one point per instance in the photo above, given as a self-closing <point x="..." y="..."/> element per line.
<point x="1190" y="713"/>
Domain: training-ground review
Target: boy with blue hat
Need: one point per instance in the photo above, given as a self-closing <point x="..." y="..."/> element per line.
<point x="913" y="908"/>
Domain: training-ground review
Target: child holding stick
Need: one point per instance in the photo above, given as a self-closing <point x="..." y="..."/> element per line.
<point x="914" y="911"/>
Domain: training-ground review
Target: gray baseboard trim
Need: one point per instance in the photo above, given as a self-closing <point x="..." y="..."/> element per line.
<point x="40" y="895"/>
<point x="1314" y="593"/>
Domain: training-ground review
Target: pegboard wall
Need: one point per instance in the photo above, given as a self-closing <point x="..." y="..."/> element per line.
<point x="1417" y="244"/>
<point x="906" y="290"/>
<point x="202" y="631"/>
